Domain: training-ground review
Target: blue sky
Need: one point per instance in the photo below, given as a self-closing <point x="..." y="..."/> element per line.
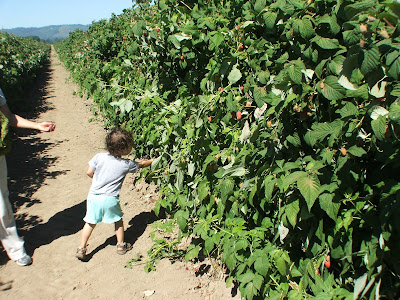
<point x="38" y="13"/>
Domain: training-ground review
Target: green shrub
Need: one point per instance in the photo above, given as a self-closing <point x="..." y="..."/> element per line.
<point x="276" y="127"/>
<point x="21" y="59"/>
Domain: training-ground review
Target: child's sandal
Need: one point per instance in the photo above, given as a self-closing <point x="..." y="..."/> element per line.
<point x="123" y="248"/>
<point x="81" y="253"/>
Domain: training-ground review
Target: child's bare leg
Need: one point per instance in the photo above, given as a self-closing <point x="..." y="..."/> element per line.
<point x="119" y="231"/>
<point x="86" y="232"/>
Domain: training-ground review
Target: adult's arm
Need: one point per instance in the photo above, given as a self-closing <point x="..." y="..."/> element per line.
<point x="20" y="122"/>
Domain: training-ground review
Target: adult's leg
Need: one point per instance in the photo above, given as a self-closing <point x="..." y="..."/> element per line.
<point x="12" y="243"/>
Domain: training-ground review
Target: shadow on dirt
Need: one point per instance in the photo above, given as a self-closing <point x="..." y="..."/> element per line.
<point x="5" y="286"/>
<point x="28" y="168"/>
<point x="28" y="162"/>
<point x="37" y="234"/>
<point x="137" y="226"/>
<point x="64" y="223"/>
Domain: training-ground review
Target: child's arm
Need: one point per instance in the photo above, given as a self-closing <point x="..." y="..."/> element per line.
<point x="90" y="172"/>
<point x="145" y="163"/>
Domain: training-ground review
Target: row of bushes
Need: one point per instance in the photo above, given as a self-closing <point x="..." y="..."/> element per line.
<point x="276" y="127"/>
<point x="21" y="60"/>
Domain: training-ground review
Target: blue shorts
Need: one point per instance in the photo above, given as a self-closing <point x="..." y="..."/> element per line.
<point x="102" y="208"/>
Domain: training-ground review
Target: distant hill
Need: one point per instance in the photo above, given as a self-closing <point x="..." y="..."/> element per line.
<point x="50" y="33"/>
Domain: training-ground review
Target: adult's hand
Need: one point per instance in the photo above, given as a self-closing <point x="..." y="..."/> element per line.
<point x="46" y="126"/>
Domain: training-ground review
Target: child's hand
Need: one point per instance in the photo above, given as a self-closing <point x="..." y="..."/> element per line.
<point x="146" y="163"/>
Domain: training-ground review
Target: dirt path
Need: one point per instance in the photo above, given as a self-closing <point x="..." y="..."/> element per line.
<point x="48" y="188"/>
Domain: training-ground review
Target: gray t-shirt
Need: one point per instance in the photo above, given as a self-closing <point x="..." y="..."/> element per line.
<point x="2" y="98"/>
<point x="109" y="173"/>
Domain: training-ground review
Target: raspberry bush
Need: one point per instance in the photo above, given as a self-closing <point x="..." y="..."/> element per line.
<point x="276" y="127"/>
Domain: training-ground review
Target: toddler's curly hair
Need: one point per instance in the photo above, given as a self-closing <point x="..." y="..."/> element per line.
<point x="118" y="140"/>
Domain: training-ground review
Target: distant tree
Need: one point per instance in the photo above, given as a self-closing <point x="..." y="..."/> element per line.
<point x="34" y="37"/>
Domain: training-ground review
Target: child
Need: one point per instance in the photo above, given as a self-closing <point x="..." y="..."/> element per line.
<point x="108" y="171"/>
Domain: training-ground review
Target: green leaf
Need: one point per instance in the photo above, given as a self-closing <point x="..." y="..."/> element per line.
<point x="154" y="164"/>
<point x="394" y="70"/>
<point x="174" y="41"/>
<point x="241" y="244"/>
<point x="370" y="61"/>
<point x="394" y="113"/>
<point x="229" y="282"/>
<point x="181" y="219"/>
<point x="252" y="193"/>
<point x="259" y="5"/>
<point x="292" y="178"/>
<point x="348" y="110"/>
<point x="246" y="277"/>
<point x="291" y="211"/>
<point x="391" y="57"/>
<point x="326" y="43"/>
<point x="234" y="76"/>
<point x="281" y="265"/>
<point x="336" y="65"/>
<point x="331" y="21"/>
<point x="270" y="20"/>
<point x="351" y="37"/>
<point x="182" y="36"/>
<point x="294" y="140"/>
<point x="307" y="29"/>
<point x="216" y="40"/>
<point x="309" y="187"/>
<point x="192" y="253"/>
<point x="356" y="151"/>
<point x="162" y="5"/>
<point x="396" y="90"/>
<point x="283" y="58"/>
<point x="321" y="130"/>
<point x="269" y="184"/>
<point x="226" y="188"/>
<point x="137" y="28"/>
<point x="359" y="6"/>
<point x="203" y="189"/>
<point x="320" y="67"/>
<point x="250" y="290"/>
<point x="208" y="245"/>
<point x="235" y="172"/>
<point x="295" y="74"/>
<point x="331" y="208"/>
<point x="331" y="88"/>
<point x="304" y="27"/>
<point x="258" y="281"/>
<point x="379" y="127"/>
<point x="262" y="264"/>
<point x="310" y="139"/>
<point x="263" y="77"/>
<point x="361" y="92"/>
<point x="260" y="96"/>
<point x="230" y="261"/>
